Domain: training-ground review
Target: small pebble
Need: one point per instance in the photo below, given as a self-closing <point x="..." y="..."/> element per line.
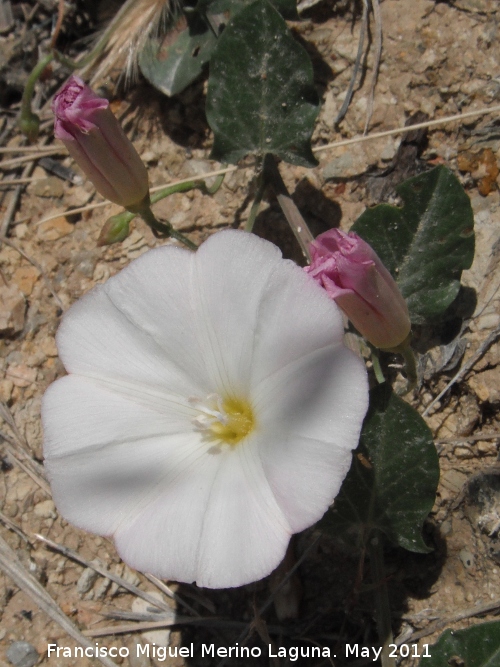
<point x="45" y="509"/>
<point x="22" y="654"/>
<point x="21" y="375"/>
<point x="102" y="588"/>
<point x="12" y="310"/>
<point x="87" y="579"/>
<point x="463" y="453"/>
<point x="446" y="528"/>
<point x="467" y="558"/>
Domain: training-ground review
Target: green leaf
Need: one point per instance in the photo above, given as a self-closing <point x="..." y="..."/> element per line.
<point x="261" y="98"/>
<point x="175" y="60"/>
<point x="478" y="646"/>
<point x="426" y="244"/>
<point x="392" y="483"/>
<point x="287" y="8"/>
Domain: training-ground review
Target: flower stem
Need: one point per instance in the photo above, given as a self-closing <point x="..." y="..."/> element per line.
<point x="382" y="607"/>
<point x="29" y="122"/>
<point x="410" y="367"/>
<point x="292" y="214"/>
<point x="123" y="219"/>
<point x="261" y="186"/>
<point x="410" y="363"/>
<point x="208" y="190"/>
<point x="377" y="368"/>
<point x="71" y="64"/>
<point x="161" y="229"/>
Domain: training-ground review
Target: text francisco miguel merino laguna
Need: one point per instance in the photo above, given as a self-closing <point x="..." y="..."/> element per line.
<point x="293" y="653"/>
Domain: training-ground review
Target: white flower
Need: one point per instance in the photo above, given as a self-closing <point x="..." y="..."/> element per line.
<point x="209" y="411"/>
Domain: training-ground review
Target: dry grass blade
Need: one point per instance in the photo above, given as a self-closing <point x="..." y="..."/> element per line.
<point x="26" y="467"/>
<point x="157" y="188"/>
<point x="18" y="451"/>
<point x="147" y="616"/>
<point x="465" y="368"/>
<point x="9" y="183"/>
<point x="129" y="627"/>
<point x="69" y="553"/>
<point x="470" y="438"/>
<point x="25" y="149"/>
<point x="15" y="162"/>
<point x="357" y="64"/>
<point x="19" y="454"/>
<point x="14" y="197"/>
<point x="11" y="565"/>
<point x="38" y="266"/>
<point x="6" y="415"/>
<point x="13" y="202"/>
<point x="125" y="36"/>
<point x="15" y="529"/>
<point x="180" y="620"/>
<point x="480" y="610"/>
<point x="167" y="591"/>
<point x="376" y="64"/>
<point x="407" y="128"/>
<point x="246" y="634"/>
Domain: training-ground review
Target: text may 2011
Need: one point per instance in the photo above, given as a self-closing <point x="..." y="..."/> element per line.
<point x="293" y="653"/>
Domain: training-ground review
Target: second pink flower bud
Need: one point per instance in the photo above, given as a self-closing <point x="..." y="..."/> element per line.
<point x="97" y="143"/>
<point x="354" y="276"/>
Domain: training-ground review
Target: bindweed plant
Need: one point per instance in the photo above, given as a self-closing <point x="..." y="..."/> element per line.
<point x="210" y="407"/>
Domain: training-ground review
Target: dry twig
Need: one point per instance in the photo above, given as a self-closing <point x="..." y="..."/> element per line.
<point x="27" y="467"/>
<point x="38" y="266"/>
<point x="14" y="528"/>
<point x="317" y="149"/>
<point x="171" y="594"/>
<point x="8" y="183"/>
<point x="12" y="566"/>
<point x="73" y="555"/>
<point x="465" y="368"/>
<point x="357" y="64"/>
<point x="376" y="64"/>
<point x="471" y="438"/>
<point x="247" y="632"/>
<point x="18" y="451"/>
<point x="143" y="626"/>
<point x="24" y="149"/>
<point x="50" y="150"/>
<point x="488" y="608"/>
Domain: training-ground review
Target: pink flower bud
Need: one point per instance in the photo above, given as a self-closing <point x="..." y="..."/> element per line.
<point x="97" y="143"/>
<point x="352" y="273"/>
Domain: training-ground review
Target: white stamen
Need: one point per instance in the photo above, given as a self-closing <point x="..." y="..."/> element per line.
<point x="211" y="410"/>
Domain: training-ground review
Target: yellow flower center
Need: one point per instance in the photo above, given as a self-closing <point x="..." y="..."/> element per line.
<point x="226" y="420"/>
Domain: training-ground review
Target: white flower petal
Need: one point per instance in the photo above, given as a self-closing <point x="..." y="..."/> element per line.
<point x="201" y="309"/>
<point x="97" y="340"/>
<point x="245" y="534"/>
<point x="322" y="395"/>
<point x="296" y="317"/>
<point x="78" y="414"/>
<point x="106" y="472"/>
<point x="218" y="524"/>
<point x="232" y="273"/>
<point x="164" y="538"/>
<point x="320" y="401"/>
<point x="156" y="295"/>
<point x="100" y="492"/>
<point x="305" y="475"/>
